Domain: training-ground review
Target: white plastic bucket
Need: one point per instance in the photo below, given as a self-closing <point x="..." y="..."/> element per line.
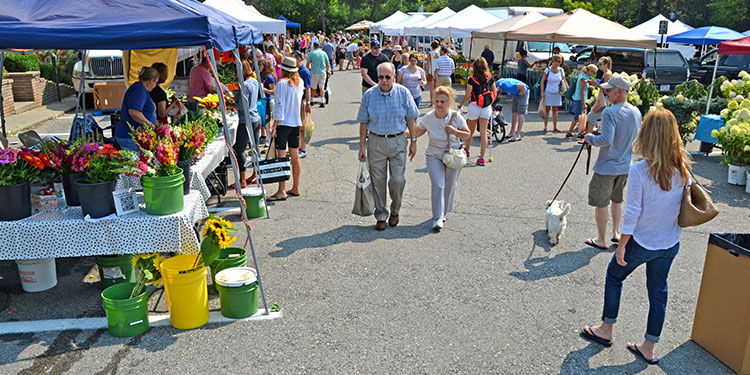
<point x="37" y="274"/>
<point x="737" y="175"/>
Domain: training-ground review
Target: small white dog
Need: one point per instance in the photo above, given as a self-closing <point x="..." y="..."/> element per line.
<point x="556" y="221"/>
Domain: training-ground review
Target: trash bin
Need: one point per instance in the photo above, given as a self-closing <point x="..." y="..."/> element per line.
<point x="722" y="315"/>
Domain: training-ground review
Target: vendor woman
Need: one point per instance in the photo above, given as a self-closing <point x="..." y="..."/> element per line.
<point x="137" y="107"/>
<point x="164" y="105"/>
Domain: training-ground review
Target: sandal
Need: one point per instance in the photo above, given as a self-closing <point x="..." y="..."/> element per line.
<point x="569" y="135"/>
<point x="275" y="198"/>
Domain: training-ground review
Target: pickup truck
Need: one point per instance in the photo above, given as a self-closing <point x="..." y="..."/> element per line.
<point x="671" y="67"/>
<point x="106" y="66"/>
<point x="730" y="66"/>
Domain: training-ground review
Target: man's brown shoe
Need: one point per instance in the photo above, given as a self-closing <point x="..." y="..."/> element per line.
<point x="380" y="225"/>
<point x="393" y="220"/>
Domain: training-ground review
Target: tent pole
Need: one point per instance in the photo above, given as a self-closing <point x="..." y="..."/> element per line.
<point x="85" y="55"/>
<point x="502" y="68"/>
<point x="257" y="71"/>
<point x="235" y="171"/>
<point x="2" y="109"/>
<point x="713" y="80"/>
<point x="245" y="106"/>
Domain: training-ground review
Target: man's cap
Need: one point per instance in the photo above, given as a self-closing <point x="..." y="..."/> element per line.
<point x="618" y="81"/>
<point x="375" y="43"/>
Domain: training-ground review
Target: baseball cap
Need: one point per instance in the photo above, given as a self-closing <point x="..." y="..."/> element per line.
<point x="316" y="44"/>
<point x="618" y="81"/>
<point x="375" y="43"/>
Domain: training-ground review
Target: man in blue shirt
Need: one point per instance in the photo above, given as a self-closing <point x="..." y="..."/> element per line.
<point x="329" y="48"/>
<point x="386" y="111"/>
<point x="520" y="93"/>
<point x="619" y="127"/>
<point x="317" y="62"/>
<point x="304" y="73"/>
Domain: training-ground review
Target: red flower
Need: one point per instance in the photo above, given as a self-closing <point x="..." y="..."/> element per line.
<point x="45" y="159"/>
<point x="108" y="150"/>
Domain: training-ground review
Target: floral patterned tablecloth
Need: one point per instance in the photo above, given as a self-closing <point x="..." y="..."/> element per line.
<point x="62" y="232"/>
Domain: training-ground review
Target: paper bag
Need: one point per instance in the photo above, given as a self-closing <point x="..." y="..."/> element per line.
<point x="364" y="201"/>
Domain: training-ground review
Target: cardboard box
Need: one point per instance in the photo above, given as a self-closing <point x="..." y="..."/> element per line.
<point x="722" y="315"/>
<point x="108" y="95"/>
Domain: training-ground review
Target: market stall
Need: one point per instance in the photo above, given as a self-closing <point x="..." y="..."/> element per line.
<point x="494" y="36"/>
<point x="650" y="29"/>
<point x="397" y="29"/>
<point x="397" y="16"/>
<point x="462" y="23"/>
<point x="704" y="36"/>
<point x="361" y="25"/>
<point x="418" y="29"/>
<point x="127" y="25"/>
<point x="242" y="12"/>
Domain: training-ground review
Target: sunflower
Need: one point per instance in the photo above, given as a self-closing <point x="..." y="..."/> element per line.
<point x="149" y="264"/>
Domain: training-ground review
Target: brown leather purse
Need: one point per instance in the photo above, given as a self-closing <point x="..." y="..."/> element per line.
<point x="696" y="207"/>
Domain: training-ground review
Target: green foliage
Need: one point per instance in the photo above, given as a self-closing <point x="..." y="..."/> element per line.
<point x="647" y="92"/>
<point x="227" y="73"/>
<point x="691" y="90"/>
<point x="685" y="111"/>
<point x="21" y="63"/>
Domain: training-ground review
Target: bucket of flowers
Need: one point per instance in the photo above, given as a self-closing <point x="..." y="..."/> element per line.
<point x="162" y="183"/>
<point x="190" y="137"/>
<point x="17" y="169"/>
<point x="735" y="140"/>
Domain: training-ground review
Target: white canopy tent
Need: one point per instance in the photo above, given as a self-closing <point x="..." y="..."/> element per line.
<point x="242" y="12"/>
<point x="650" y="29"/>
<point x="396" y="17"/>
<point x="417" y="29"/>
<point x="494" y="36"/>
<point x="462" y="23"/>
<point x="398" y="27"/>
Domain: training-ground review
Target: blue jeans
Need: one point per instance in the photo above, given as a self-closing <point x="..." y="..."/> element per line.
<point x="127" y="144"/>
<point x="658" y="263"/>
<point x="192" y="106"/>
<point x="418" y="100"/>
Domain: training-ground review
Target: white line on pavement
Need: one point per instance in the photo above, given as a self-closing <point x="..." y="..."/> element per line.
<point x="160" y="320"/>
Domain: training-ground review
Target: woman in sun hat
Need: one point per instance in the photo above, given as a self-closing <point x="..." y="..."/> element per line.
<point x="286" y="124"/>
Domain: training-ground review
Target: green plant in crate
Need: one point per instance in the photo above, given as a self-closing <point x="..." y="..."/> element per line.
<point x="691" y="89"/>
<point x="148" y="271"/>
<point x="684" y="110"/>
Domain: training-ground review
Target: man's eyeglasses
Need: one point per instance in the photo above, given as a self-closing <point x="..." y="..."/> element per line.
<point x="385" y="77"/>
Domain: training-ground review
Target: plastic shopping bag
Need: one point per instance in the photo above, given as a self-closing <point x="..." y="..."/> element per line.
<point x="364" y="201"/>
<point x="541" y="111"/>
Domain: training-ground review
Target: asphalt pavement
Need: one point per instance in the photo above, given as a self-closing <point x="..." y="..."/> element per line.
<point x="488" y="294"/>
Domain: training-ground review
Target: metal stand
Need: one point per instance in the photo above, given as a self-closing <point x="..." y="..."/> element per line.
<point x="2" y="108"/>
<point x="222" y="105"/>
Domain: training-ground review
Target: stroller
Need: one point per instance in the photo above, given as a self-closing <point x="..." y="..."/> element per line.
<point x="497" y="124"/>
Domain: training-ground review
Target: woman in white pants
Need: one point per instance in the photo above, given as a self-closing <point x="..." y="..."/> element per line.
<point x="444" y="128"/>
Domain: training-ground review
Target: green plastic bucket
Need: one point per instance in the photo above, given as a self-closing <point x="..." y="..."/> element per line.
<point x="228" y="257"/>
<point x="238" y="292"/>
<point x="254" y="201"/>
<point x="115" y="269"/>
<point x="126" y="317"/>
<point x="163" y="195"/>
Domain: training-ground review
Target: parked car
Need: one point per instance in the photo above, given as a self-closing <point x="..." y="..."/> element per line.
<point x="671" y="68"/>
<point x="729" y="66"/>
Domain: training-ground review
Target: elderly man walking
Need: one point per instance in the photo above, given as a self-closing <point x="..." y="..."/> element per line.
<point x="619" y="127"/>
<point x="386" y="111"/>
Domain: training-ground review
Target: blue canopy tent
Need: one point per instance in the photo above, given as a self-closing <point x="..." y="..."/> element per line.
<point x="289" y="24"/>
<point x="705" y="35"/>
<point x="131" y="24"/>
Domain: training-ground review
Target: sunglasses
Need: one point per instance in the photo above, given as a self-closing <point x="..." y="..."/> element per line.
<point x="384" y="77"/>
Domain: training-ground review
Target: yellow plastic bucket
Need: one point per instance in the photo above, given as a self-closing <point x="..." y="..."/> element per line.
<point x="187" y="291"/>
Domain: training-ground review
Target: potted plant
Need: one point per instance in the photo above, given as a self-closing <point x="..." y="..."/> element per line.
<point x="735" y="141"/>
<point x="101" y="166"/>
<point x="17" y="169"/>
<point x="126" y="304"/>
<point x="190" y="138"/>
<point x="163" y="181"/>
<point x="60" y="154"/>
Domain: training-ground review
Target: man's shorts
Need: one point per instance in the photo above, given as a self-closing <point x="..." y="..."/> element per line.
<point x="520" y="104"/>
<point x="288" y="135"/>
<point x="577" y="108"/>
<point x="318" y="81"/>
<point x="475" y="112"/>
<point x="603" y="189"/>
<point x="349" y="55"/>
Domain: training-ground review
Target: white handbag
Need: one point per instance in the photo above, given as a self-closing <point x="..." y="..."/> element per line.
<point x="454" y="158"/>
<point x="364" y="200"/>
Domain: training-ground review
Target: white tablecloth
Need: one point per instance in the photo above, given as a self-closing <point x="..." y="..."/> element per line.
<point x="62" y="232"/>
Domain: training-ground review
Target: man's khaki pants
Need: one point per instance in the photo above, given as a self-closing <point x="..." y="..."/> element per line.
<point x="387" y="155"/>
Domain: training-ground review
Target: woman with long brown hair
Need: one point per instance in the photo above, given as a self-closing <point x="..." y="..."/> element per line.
<point x="650" y="233"/>
<point x="286" y="124"/>
<point x="278" y="56"/>
<point x="480" y="89"/>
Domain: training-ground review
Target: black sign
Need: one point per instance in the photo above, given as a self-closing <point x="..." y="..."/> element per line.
<point x="663" y="27"/>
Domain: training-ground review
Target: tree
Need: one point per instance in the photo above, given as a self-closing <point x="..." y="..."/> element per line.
<point x="323" y="15"/>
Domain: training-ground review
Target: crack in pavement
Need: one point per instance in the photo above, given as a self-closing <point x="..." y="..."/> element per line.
<point x="62" y="354"/>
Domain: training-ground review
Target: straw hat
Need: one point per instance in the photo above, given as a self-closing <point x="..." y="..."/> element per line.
<point x="289" y="64"/>
<point x="397" y="47"/>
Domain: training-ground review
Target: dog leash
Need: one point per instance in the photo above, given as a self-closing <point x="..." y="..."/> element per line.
<point x="588" y="162"/>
